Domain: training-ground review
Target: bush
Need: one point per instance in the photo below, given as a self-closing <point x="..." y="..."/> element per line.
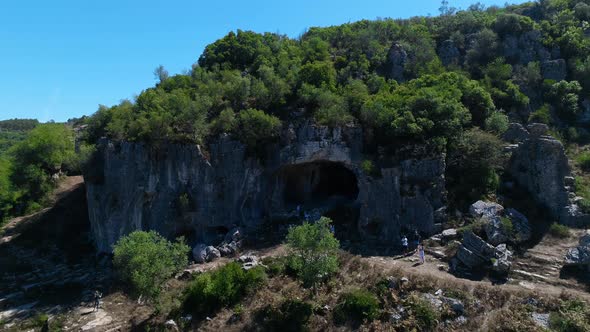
<point x="583" y="190"/>
<point x="291" y="315"/>
<point x="426" y="316"/>
<point x="333" y="116"/>
<point x="43" y="153"/>
<point x="559" y="231"/>
<point x="276" y="265"/>
<point x="356" y="306"/>
<point x="369" y="168"/>
<point x="565" y="97"/>
<point x="542" y="115"/>
<point x="507" y="226"/>
<point x="583" y="161"/>
<point x="476" y="227"/>
<point x="497" y="123"/>
<point x="257" y="127"/>
<point x="573" y="316"/>
<point x="223" y="287"/>
<point x="145" y="260"/>
<point x="313" y="251"/>
<point x="473" y="165"/>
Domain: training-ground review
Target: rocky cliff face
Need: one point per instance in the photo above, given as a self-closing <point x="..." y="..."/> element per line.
<point x="178" y="190"/>
<point x="539" y="164"/>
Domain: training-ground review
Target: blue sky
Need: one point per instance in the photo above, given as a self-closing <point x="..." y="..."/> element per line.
<point x="61" y="59"/>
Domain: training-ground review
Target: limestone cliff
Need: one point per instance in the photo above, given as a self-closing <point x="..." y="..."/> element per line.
<point x="540" y="165"/>
<point x="181" y="190"/>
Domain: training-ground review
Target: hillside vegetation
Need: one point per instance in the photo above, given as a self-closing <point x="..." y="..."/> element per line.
<point x="33" y="157"/>
<point x="420" y="80"/>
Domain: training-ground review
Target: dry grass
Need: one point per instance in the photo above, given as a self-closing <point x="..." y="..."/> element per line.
<point x="487" y="307"/>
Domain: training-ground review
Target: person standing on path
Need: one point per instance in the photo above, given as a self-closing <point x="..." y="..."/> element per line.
<point x="421" y="253"/>
<point x="405" y="244"/>
<point x="97" y="296"/>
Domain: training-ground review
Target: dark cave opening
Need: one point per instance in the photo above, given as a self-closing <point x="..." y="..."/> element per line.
<point x="319" y="184"/>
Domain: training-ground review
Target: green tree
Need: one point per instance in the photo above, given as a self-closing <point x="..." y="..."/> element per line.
<point x="257" y="127"/>
<point x="564" y="95"/>
<point x="473" y="164"/>
<point x="497" y="123"/>
<point x="43" y="153"/>
<point x="313" y="251"/>
<point x="145" y="260"/>
<point x="319" y="73"/>
<point x="514" y="24"/>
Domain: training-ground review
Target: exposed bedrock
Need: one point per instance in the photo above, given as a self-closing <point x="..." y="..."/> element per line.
<point x="539" y="164"/>
<point x="179" y="190"/>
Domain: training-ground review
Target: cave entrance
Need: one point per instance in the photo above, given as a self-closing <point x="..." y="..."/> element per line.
<point x="320" y="184"/>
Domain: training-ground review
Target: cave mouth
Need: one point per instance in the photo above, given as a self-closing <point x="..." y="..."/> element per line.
<point x="319" y="184"/>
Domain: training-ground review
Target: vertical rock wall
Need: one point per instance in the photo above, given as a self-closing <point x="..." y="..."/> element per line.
<point x="177" y="190"/>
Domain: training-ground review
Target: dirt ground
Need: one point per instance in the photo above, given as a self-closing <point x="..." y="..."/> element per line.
<point x="39" y="276"/>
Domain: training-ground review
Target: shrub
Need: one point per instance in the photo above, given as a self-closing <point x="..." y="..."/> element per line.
<point x="573" y="316"/>
<point x="225" y="122"/>
<point x="313" y="251"/>
<point x="583" y="160"/>
<point x="426" y="316"/>
<point x="291" y="315"/>
<point x="476" y="227"/>
<point x="583" y="190"/>
<point x="565" y="97"/>
<point x="558" y="230"/>
<point x="472" y="166"/>
<point x="369" y="168"/>
<point x="333" y="116"/>
<point x="356" y="306"/>
<point x="542" y="115"/>
<point x="497" y="123"/>
<point x="223" y="287"/>
<point x="257" y="127"/>
<point x="275" y="265"/>
<point x="507" y="226"/>
<point x="145" y="260"/>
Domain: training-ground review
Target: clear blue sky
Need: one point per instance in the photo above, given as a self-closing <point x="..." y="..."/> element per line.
<point x="61" y="59"/>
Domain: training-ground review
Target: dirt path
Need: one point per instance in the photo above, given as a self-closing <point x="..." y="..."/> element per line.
<point x="543" y="263"/>
<point x="15" y="226"/>
<point x="436" y="268"/>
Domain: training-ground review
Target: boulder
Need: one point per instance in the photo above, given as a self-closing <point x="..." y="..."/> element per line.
<point x="200" y="253"/>
<point x="449" y="234"/>
<point x="520" y="223"/>
<point x="474" y="252"/>
<point x="248" y="261"/>
<point x="501" y="262"/>
<point x="171" y="325"/>
<point x="229" y="249"/>
<point x="212" y="253"/>
<point x="538" y="129"/>
<point x="488" y="210"/>
<point x="580" y="255"/>
<point x="456" y="305"/>
<point x="434" y="301"/>
<point x="495" y="230"/>
<point x="542" y="320"/>
<point x="233" y="235"/>
<point x="515" y="133"/>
